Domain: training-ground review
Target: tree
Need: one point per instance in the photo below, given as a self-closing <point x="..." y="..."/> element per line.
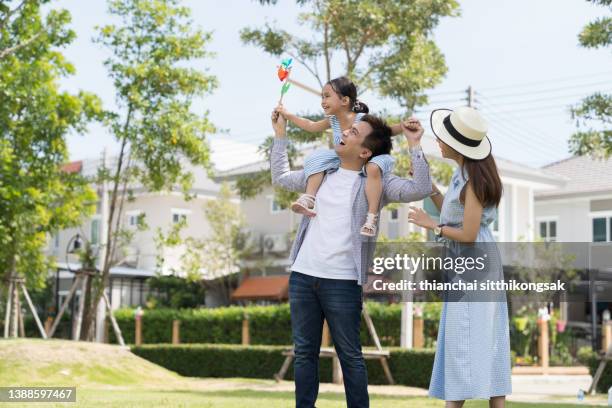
<point x="37" y="198"/>
<point x="152" y="47"/>
<point x="17" y="31"/>
<point x="216" y="259"/>
<point x="384" y="46"/>
<point x="593" y="115"/>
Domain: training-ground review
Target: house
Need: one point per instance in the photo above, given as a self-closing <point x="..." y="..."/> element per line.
<point x="580" y="211"/>
<point x="138" y="260"/>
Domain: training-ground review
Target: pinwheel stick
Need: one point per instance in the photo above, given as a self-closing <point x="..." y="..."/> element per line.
<point x="285" y="87"/>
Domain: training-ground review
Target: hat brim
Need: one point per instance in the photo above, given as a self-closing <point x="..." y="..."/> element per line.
<point x="482" y="151"/>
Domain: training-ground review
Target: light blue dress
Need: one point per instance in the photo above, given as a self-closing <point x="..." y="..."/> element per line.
<point x="473" y="349"/>
<point x="325" y="159"/>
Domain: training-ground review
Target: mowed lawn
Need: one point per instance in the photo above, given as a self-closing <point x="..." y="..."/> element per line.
<point x="109" y="376"/>
<point x="241" y="399"/>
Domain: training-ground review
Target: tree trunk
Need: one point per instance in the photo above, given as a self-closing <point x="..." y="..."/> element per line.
<point x="88" y="319"/>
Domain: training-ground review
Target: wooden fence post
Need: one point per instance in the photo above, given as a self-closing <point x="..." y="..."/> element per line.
<point x="176" y="336"/>
<point x="418" y="340"/>
<point x="138" y="334"/>
<point x="543" y="344"/>
<point x="606" y="335"/>
<point x="246" y="335"/>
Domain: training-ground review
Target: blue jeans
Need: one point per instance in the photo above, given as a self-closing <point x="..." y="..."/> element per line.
<point x="338" y="301"/>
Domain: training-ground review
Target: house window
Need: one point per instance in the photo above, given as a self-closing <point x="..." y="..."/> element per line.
<point x="94" y="234"/>
<point x="275" y="206"/>
<point x="179" y="215"/>
<point x="601" y="229"/>
<point x="132" y="218"/>
<point x="548" y="230"/>
<point x="393" y="215"/>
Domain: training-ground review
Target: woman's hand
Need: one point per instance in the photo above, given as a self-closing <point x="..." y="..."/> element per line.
<point x="421" y="218"/>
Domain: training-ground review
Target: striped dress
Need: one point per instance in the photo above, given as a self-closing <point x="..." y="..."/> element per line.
<point x="325" y="159"/>
<point x="473" y="349"/>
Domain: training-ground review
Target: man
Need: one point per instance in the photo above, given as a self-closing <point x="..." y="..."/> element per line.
<point x="329" y="254"/>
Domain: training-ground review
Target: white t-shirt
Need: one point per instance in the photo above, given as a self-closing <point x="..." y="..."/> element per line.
<point x="327" y="251"/>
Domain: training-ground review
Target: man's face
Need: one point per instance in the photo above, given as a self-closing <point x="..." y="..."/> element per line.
<point x="350" y="147"/>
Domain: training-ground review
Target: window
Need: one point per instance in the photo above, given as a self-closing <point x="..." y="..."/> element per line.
<point x="275" y="206"/>
<point x="56" y="241"/>
<point x="548" y="230"/>
<point x="393" y="215"/>
<point x="94" y="233"/>
<point x="601" y="232"/>
<point x="179" y="215"/>
<point x="132" y="218"/>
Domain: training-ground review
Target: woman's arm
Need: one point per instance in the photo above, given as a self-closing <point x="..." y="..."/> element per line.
<point x="471" y="219"/>
<point x="303" y="123"/>
<point x="436" y="196"/>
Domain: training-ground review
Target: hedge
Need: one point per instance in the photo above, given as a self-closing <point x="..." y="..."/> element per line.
<point x="269" y="325"/>
<point x="605" y="382"/>
<point x="409" y="367"/>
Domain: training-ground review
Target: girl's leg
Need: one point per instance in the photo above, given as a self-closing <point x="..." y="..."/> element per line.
<point x="454" y="404"/>
<point x="497" y="402"/>
<point x="306" y="203"/>
<point x="313" y="183"/>
<point x="373" y="191"/>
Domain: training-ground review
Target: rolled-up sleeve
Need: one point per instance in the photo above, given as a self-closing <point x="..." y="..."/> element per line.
<point x="397" y="189"/>
<point x="282" y="175"/>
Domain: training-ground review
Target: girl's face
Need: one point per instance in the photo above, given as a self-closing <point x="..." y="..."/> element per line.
<point x="331" y="102"/>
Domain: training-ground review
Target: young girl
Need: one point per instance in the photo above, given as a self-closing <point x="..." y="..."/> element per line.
<point x="340" y="104"/>
<point x="473" y="350"/>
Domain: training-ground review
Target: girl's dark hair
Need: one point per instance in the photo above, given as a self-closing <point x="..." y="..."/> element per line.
<point x="343" y="86"/>
<point x="485" y="180"/>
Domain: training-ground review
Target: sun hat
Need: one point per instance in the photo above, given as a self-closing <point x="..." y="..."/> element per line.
<point x="464" y="129"/>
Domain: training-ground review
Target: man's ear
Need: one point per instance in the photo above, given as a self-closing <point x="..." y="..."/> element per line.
<point x="365" y="153"/>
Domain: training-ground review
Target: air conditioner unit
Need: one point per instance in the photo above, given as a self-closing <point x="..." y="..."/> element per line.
<point x="275" y="243"/>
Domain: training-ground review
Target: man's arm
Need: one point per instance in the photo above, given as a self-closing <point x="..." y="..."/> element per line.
<point x="282" y="176"/>
<point x="396" y="189"/>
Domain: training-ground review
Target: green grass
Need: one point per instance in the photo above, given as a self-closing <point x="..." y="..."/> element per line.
<point x="107" y="376"/>
<point x="241" y="399"/>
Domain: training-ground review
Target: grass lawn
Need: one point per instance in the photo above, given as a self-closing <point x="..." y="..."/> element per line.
<point x="108" y="376"/>
<point x="240" y="399"/>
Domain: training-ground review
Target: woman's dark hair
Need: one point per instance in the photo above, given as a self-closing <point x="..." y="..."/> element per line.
<point x="485" y="180"/>
<point x="343" y="86"/>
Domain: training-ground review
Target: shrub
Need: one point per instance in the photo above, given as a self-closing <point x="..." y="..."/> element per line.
<point x="409" y="367"/>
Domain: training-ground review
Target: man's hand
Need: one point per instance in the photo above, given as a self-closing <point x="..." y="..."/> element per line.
<point x="279" y="124"/>
<point x="413" y="131"/>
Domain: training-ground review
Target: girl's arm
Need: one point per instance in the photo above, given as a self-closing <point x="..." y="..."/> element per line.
<point x="471" y="219"/>
<point x="303" y="123"/>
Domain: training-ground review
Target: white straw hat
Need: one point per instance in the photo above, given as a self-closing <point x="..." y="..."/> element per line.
<point x="463" y="129"/>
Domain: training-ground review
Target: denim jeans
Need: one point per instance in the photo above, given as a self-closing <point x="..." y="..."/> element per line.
<point x="338" y="301"/>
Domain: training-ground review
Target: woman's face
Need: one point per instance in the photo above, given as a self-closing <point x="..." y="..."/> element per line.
<point x="330" y="101"/>
<point x="447" y="151"/>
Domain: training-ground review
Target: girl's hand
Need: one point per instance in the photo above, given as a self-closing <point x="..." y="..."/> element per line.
<point x="413" y="130"/>
<point x="280" y="108"/>
<point x="421" y="218"/>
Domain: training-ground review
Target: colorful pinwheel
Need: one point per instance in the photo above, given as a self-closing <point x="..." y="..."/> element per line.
<point x="284" y="70"/>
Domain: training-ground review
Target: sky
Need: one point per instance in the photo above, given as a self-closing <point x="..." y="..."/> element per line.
<point x="521" y="57"/>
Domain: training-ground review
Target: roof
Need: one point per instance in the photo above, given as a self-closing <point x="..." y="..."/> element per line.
<point x="66" y="271"/>
<point x="507" y="168"/>
<point x="263" y="288"/>
<point x="582" y="175"/>
<point x="73" y="167"/>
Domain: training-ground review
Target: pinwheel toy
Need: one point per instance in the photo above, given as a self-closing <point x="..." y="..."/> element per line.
<point x="284" y="70"/>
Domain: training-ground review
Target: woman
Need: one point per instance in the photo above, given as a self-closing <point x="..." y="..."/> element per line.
<point x="473" y="349"/>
